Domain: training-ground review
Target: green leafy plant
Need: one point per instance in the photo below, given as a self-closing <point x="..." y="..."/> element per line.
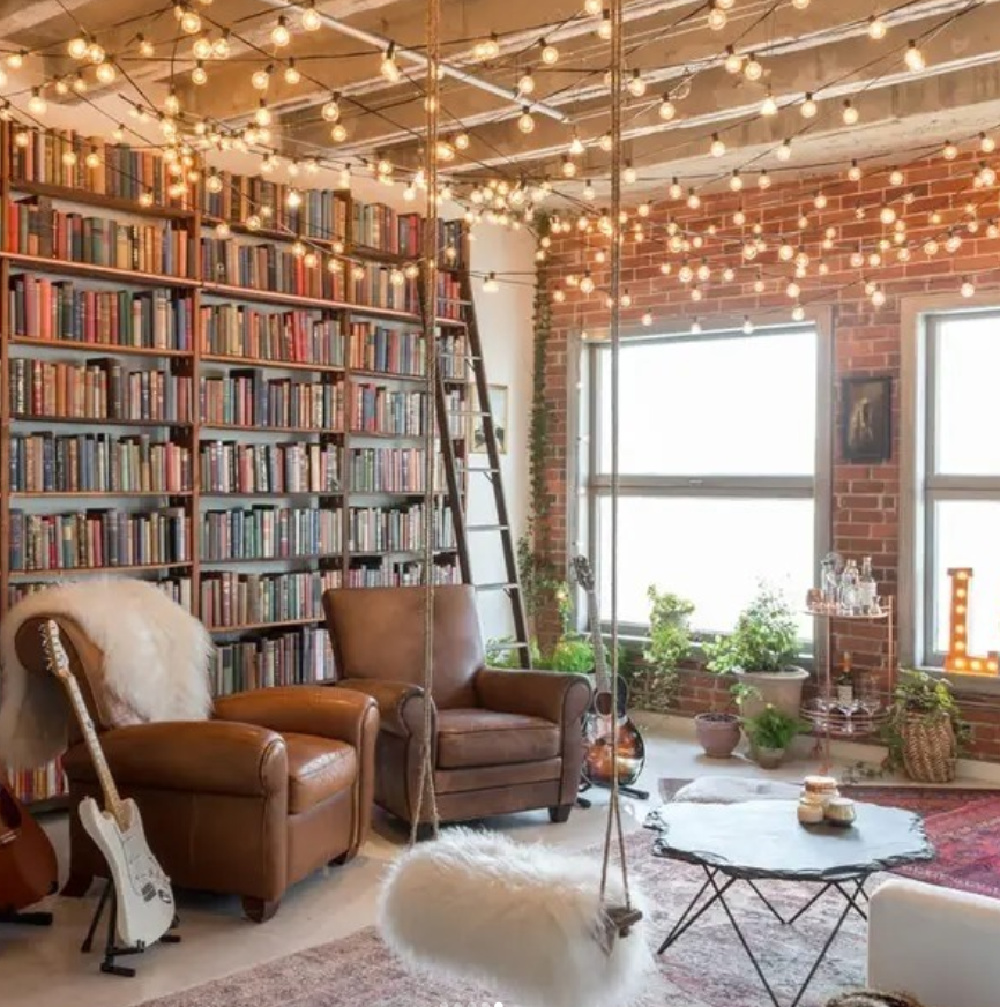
<point x="499" y="656"/>
<point x="765" y="638"/>
<point x="573" y="654"/>
<point x="926" y="697"/>
<point x="654" y="682"/>
<point x="772" y="728"/>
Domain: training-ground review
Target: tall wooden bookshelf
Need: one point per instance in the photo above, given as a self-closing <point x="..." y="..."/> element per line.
<point x="324" y="458"/>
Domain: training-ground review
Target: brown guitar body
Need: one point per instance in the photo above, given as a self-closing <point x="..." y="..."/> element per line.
<point x="28" y="868"/>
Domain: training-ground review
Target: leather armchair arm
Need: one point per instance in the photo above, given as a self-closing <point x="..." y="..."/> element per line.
<point x="400" y="704"/>
<point x="340" y="714"/>
<point x="202" y="757"/>
<point x="553" y="695"/>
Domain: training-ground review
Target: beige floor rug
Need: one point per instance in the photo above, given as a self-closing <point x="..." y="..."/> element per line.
<point x="706" y="968"/>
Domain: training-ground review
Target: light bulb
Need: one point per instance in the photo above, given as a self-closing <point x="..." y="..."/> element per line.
<point x="808" y="107"/>
<point x="146" y="48"/>
<point x="800" y="4"/>
<point x="604" y="28"/>
<point x="793" y="290"/>
<point x="190" y="22"/>
<point x="695" y="327"/>
<point x="69" y="158"/>
<point x="752" y="69"/>
<point x="968" y="288"/>
<point x="291" y="74"/>
<point x="850" y="113"/>
<point x="735" y="180"/>
<point x="105" y="73"/>
<point x="636" y="85"/>
<point x="675" y="189"/>
<point x="784" y="152"/>
<point x="986" y="143"/>
<point x="260" y="79"/>
<point x="331" y="110"/>
<point x="213" y="183"/>
<point x="526" y="83"/>
<point x="550" y="54"/>
<point x="592" y="7"/>
<point x="339" y="133"/>
<point x="587" y="283"/>
<point x="221" y="46"/>
<point x="785" y="252"/>
<point x="202" y="48"/>
<point x="146" y="198"/>
<point x="462" y="141"/>
<point x="877" y="28"/>
<point x="293" y="199"/>
<point x="704" y="273"/>
<point x="693" y="200"/>
<point x="199" y="75"/>
<point x="878" y="297"/>
<point x="798" y="313"/>
<point x="605" y="143"/>
<point x="950" y="151"/>
<point x="77" y="47"/>
<point x="15" y="60"/>
<point x="525" y="123"/>
<point x="172" y="104"/>
<point x="769" y="106"/>
<point x="61" y="86"/>
<point x="629" y="175"/>
<point x="739" y="217"/>
<point x="36" y="103"/>
<point x="280" y="35"/>
<point x="311" y="20"/>
<point x="118" y="134"/>
<point x="747" y="326"/>
<point x="733" y="62"/>
<point x="717" y="147"/>
<point x="931" y="247"/>
<point x="820" y="201"/>
<point x="914" y="58"/>
<point x="716" y="17"/>
<point x="387" y="66"/>
<point x="667" y="110"/>
<point x="95" y="52"/>
<point x="263" y="114"/>
<point x="568" y="167"/>
<point x="896" y="177"/>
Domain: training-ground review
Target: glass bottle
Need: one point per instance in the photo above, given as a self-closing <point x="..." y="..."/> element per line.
<point x="849" y="588"/>
<point x="867" y="588"/>
<point x="845" y="682"/>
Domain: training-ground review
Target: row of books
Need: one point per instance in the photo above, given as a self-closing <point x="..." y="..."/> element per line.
<point x="399" y="573"/>
<point x="392" y="470"/>
<point x="59" y="157"/>
<point x="100" y="389"/>
<point x="59" y="309"/>
<point x="320" y="213"/>
<point x="398" y="529"/>
<point x="38" y="784"/>
<point x="34" y="227"/>
<point x="377" y="409"/>
<point x="270" y="533"/>
<point x="270" y="267"/>
<point x="451" y="242"/>
<point x="97" y="463"/>
<point x="176" y="588"/>
<point x="381" y="286"/>
<point x="97" y="538"/>
<point x="231" y="467"/>
<point x="246" y="399"/>
<point x="449" y="297"/>
<point x="246" y="599"/>
<point x="293" y="658"/>
<point x="375" y="225"/>
<point x="393" y="351"/>
<point x="294" y="336"/>
<point x="453" y="350"/>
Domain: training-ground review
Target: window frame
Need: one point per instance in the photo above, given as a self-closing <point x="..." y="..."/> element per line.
<point x="920" y="487"/>
<point x="818" y="487"/>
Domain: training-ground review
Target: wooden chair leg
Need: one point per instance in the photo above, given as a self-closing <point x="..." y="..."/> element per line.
<point x="260" y="910"/>
<point x="560" y="812"/>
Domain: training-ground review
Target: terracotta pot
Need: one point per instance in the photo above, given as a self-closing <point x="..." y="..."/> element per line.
<point x="717" y="733"/>
<point x="782" y="689"/>
<point x="769" y="758"/>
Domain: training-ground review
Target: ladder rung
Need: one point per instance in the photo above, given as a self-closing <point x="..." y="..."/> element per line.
<point x="486" y="527"/>
<point x="508" y="645"/>
<point x="478" y="468"/>
<point x="500" y="585"/>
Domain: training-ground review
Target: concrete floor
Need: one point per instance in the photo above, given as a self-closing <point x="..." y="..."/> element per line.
<point x="43" y="968"/>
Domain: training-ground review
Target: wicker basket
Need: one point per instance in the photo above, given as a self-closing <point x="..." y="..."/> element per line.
<point x="929" y="748"/>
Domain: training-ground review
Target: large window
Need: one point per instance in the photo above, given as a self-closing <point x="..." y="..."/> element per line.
<point x="721" y="446"/>
<point x="958" y="517"/>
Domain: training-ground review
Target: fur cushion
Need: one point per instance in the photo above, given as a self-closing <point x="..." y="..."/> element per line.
<point x="520" y="919"/>
<point x="155" y="665"/>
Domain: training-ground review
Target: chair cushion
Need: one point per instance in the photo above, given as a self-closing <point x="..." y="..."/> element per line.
<point x="318" y="768"/>
<point x="469" y="738"/>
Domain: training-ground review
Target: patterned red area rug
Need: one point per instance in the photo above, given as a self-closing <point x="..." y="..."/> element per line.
<point x="964" y="826"/>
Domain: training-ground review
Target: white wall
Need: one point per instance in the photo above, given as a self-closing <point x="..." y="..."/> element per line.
<point x="505" y="326"/>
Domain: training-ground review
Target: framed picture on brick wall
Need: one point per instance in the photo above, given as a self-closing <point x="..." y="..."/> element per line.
<point x="866" y="418"/>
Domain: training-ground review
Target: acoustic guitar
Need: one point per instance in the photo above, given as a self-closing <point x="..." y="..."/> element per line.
<point x="28" y="869"/>
<point x="143" y="897"/>
<point x="607" y="726"/>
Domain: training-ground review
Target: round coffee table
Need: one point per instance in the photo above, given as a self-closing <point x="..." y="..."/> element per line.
<point x="763" y="841"/>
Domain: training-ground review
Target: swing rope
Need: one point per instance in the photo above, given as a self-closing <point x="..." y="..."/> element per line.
<point x="429" y="280"/>
<point x="613" y="829"/>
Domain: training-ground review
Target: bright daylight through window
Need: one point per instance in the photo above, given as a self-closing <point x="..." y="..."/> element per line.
<point x="718" y="461"/>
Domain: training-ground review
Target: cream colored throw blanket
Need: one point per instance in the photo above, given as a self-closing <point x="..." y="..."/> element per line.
<point x="155" y="665"/>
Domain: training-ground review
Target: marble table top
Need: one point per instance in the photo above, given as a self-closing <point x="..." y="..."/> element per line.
<point x="763" y="839"/>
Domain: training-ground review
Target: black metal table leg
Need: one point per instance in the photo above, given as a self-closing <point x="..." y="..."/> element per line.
<point x="774" y="912"/>
<point x="689" y="917"/>
<point x="811" y="902"/>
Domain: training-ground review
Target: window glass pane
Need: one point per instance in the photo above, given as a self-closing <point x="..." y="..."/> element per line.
<point x="718" y="406"/>
<point x="713" y="551"/>
<point x="966" y="365"/>
<point x="966" y="535"/>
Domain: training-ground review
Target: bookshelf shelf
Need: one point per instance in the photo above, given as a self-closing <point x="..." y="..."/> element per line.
<point x="73" y="571"/>
<point x="271" y="234"/>
<point x="386" y="376"/>
<point x="72" y="194"/>
<point x="103" y="421"/>
<point x="270" y="495"/>
<point x="66" y="267"/>
<point x="248" y="561"/>
<point x="235" y="293"/>
<point x="97" y="494"/>
<point x="253" y="627"/>
<point x="377" y="436"/>
<point x="261" y="429"/>
<point x="274" y="365"/>
<point x="100" y="349"/>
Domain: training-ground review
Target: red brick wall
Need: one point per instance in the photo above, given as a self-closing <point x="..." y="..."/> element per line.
<point x="867" y="339"/>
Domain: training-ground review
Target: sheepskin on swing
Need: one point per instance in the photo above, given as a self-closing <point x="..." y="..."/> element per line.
<point x="526" y="921"/>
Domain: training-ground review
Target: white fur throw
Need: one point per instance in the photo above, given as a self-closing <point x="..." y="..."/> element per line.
<point x="155" y="665"/>
<point x="519" y="919"/>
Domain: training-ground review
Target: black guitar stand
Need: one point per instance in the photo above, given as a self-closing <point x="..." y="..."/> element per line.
<point x="634" y="792"/>
<point x="111" y="949"/>
<point x="38" y="918"/>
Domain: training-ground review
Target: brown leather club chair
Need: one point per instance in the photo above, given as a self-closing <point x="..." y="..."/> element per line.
<point x="275" y="785"/>
<point x="504" y="741"/>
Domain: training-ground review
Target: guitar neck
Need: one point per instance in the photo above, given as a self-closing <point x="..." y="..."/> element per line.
<point x="597" y="641"/>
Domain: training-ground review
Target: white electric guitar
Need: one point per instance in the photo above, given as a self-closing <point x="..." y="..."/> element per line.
<point x="144" y="900"/>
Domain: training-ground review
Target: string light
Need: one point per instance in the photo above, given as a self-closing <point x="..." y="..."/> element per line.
<point x="587" y="283"/>
<point x="949" y="152"/>
<point x="752" y="69"/>
<point x="190" y="22"/>
<point x="850" y="113"/>
<point x="605" y="143"/>
<point x="222" y="46"/>
<point x="877" y="28"/>
<point x="311" y="19"/>
<point x="636" y="85"/>
<point x="718" y="147"/>
<point x="914" y="58"/>
<point x="629" y="175"/>
<point x="339" y="133"/>
<point x="291" y="73"/>
<point x="550" y="54"/>
<point x="716" y="16"/>
<point x="202" y="48"/>
<point x="784" y="152"/>
<point x="105" y="73"/>
<point x="695" y="327"/>
<point x="769" y="106"/>
<point x="808" y="106"/>
<point x="77" y="47"/>
<point x="36" y="103"/>
<point x="526" y="83"/>
<point x="261" y="79"/>
<point x="764" y="180"/>
<point x="604" y="28"/>
<point x="280" y="35"/>
<point x="734" y="61"/>
<point x="747" y="326"/>
<point x="387" y="66"/>
<point x="331" y="110"/>
<point x="588" y="191"/>
<point x="199" y="75"/>
<point x="461" y="141"/>
<point x="968" y="288"/>
<point x="735" y="180"/>
<point x="592" y="7"/>
<point x="693" y="200"/>
<point x="15" y="60"/>
<point x="667" y="110"/>
<point x="525" y="122"/>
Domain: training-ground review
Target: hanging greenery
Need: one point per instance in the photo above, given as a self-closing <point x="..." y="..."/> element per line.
<point x="538" y="434"/>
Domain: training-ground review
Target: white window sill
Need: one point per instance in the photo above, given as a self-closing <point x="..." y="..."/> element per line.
<point x="987" y="685"/>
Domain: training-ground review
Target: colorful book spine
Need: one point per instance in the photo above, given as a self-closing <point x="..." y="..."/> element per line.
<point x="399" y="573"/>
<point x="232" y="467"/>
<point x="392" y="470"/>
<point x="247" y="399"/>
<point x="231" y="600"/>
<point x="293" y="658"/>
<point x="398" y="529"/>
<point x="389" y="350"/>
<point x="381" y="410"/>
<point x="270" y="533"/>
<point x="294" y="336"/>
<point x="268" y="266"/>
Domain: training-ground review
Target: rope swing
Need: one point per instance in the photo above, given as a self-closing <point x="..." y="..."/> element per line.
<point x="526" y="921"/>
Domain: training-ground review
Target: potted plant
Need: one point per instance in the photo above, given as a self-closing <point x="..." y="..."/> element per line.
<point x="760" y="650"/>
<point x="572" y="654"/>
<point x="770" y="732"/>
<point x="655" y="682"/>
<point x="925" y="729"/>
<point x="718" y="732"/>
